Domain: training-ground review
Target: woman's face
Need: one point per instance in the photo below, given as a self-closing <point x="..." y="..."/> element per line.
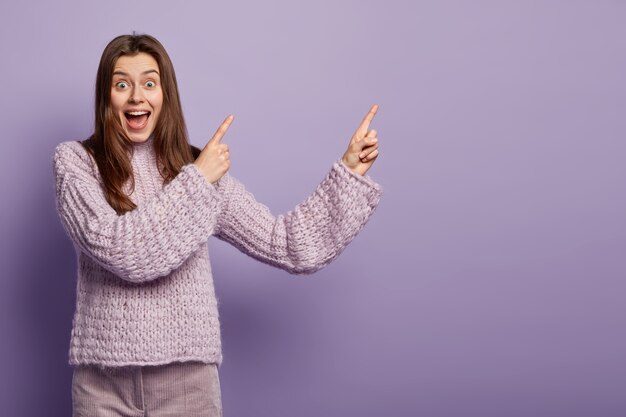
<point x="136" y="94"/>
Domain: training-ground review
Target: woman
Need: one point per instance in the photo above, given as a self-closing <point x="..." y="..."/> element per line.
<point x="139" y="203"/>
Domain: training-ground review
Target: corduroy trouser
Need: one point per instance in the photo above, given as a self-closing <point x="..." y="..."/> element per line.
<point x="179" y="389"/>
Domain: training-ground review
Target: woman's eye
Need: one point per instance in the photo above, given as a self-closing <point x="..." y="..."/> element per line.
<point x="150" y="84"/>
<point x="121" y="84"/>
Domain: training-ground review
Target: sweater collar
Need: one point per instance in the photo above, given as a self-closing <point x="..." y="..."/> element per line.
<point x="147" y="144"/>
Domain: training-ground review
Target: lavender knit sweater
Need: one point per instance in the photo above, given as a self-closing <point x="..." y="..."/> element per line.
<point x="145" y="293"/>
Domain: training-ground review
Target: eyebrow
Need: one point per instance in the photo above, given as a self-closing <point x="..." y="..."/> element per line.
<point x="143" y="73"/>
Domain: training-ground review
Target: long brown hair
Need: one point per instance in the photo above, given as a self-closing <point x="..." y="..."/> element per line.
<point x="109" y="144"/>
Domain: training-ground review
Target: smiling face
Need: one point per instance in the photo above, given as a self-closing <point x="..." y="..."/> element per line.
<point x="136" y="94"/>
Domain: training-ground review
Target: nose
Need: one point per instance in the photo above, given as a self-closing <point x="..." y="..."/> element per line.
<point x="136" y="96"/>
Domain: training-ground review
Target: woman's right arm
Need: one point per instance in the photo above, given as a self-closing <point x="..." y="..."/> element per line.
<point x="145" y="243"/>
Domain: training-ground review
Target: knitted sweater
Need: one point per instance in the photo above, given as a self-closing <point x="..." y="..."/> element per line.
<point x="144" y="292"/>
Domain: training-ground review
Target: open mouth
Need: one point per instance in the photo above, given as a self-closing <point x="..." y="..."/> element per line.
<point x="137" y="120"/>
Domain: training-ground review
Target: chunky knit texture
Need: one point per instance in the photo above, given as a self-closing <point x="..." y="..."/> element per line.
<point x="145" y="293"/>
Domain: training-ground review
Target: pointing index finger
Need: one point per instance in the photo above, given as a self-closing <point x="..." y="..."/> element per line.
<point x="365" y="124"/>
<point x="219" y="134"/>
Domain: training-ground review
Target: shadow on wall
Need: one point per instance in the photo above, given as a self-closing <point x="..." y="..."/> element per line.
<point x="44" y="302"/>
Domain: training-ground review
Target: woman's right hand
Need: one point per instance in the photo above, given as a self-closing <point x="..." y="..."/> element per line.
<point x="213" y="161"/>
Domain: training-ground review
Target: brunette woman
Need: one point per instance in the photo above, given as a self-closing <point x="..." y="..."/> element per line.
<point x="139" y="203"/>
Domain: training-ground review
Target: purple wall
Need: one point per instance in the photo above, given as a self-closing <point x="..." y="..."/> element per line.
<point x="489" y="283"/>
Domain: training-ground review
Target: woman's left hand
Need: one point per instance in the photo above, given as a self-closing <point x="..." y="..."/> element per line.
<point x="363" y="148"/>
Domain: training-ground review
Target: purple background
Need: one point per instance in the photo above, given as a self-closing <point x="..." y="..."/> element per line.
<point x="490" y="281"/>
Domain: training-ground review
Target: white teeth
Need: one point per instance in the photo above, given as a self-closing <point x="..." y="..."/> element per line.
<point x="137" y="113"/>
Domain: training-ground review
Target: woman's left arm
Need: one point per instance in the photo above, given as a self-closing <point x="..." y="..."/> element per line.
<point x="313" y="234"/>
<point x="308" y="237"/>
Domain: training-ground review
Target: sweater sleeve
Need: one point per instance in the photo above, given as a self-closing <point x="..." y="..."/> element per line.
<point x="308" y="237"/>
<point x="145" y="243"/>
